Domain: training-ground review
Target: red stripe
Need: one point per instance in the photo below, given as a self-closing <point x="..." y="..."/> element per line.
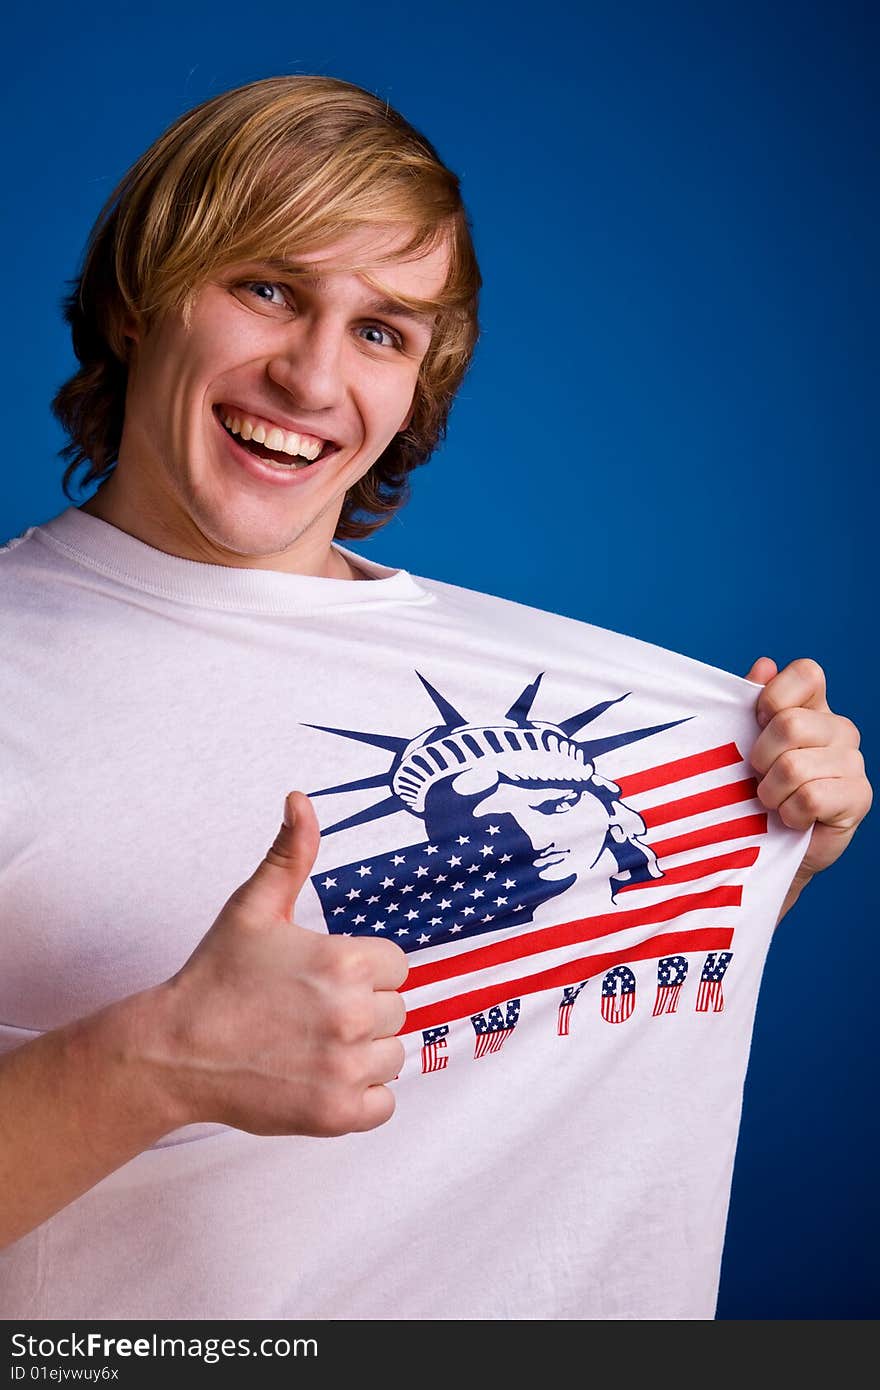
<point x="731" y="792"/>
<point x="739" y="829"/>
<point x="478" y="1000"/>
<point x="568" y="934"/>
<point x="676" y="771"/>
<point x="699" y="868"/>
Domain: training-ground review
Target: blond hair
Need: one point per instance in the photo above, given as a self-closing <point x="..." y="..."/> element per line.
<point x="283" y="164"/>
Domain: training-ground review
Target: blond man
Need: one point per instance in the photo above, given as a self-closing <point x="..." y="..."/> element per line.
<point x="277" y="306"/>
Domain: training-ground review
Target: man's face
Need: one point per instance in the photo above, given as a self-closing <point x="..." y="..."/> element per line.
<point x="271" y="347"/>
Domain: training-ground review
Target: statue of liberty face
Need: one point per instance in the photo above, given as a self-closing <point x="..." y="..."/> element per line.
<point x="566" y="826"/>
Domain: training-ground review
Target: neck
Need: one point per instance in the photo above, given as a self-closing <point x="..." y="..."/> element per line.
<point x="191" y="544"/>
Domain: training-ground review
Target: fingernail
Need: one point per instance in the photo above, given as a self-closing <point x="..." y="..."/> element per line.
<point x="289" y="813"/>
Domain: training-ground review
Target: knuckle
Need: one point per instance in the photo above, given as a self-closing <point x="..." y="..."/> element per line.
<point x="340" y="1075"/>
<point x="850" y="730"/>
<point x="808" y="799"/>
<point x="347" y="964"/>
<point x="335" y="1115"/>
<point x="792" y="724"/>
<point x="347" y="1020"/>
<point x="789" y="765"/>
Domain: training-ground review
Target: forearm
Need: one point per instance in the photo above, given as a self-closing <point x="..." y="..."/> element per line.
<point x="76" y="1104"/>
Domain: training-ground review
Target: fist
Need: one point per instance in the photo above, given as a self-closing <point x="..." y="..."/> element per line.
<point x="276" y="1029"/>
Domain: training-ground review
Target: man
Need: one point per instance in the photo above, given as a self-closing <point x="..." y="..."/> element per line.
<point x="202" y="1061"/>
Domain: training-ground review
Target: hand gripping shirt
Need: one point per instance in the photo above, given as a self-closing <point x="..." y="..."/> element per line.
<point x="557" y="823"/>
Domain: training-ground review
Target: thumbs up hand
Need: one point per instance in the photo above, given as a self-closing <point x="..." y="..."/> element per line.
<point x="275" y="1029"/>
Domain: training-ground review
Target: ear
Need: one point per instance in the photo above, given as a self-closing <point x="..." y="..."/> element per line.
<point x="131" y="328"/>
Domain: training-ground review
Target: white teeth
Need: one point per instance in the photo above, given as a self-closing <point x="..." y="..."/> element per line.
<point x="273" y="437"/>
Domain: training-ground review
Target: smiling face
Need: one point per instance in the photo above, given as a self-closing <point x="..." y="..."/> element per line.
<point x="313" y="354"/>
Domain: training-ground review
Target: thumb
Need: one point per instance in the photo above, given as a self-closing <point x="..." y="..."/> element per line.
<point x="763" y="670"/>
<point x="277" y="882"/>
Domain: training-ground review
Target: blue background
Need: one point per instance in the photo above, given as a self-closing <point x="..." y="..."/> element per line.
<point x="667" y="429"/>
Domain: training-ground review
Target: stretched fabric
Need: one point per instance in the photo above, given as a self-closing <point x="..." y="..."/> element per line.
<point x="557" y="823"/>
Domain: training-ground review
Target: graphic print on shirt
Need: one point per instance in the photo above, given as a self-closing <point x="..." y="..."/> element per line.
<point x="521" y="833"/>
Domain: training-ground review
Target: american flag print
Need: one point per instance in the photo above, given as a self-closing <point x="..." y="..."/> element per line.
<point x="710" y="994"/>
<point x="493" y="1030"/>
<point x="618" y="994"/>
<point x="671" y="975"/>
<point x="434" y="1054"/>
<point x="566" y="1004"/>
<point x="520" y="819"/>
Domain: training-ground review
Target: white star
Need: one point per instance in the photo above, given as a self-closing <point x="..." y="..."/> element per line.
<point x="392" y="907"/>
<point x="493" y="830"/>
<point x="510" y="883"/>
<point x="387" y="883"/>
<point x="477" y="893"/>
<point x="486" y="849"/>
<point x="435" y="921"/>
<point x="505" y="857"/>
<point x="364" y="869"/>
<point x="337" y="910"/>
<point x="401" y="931"/>
<point x="360" y="918"/>
<point x="421" y="871"/>
<point x="489" y="917"/>
<point x="468" y="911"/>
<point x="456" y="928"/>
<point x="373" y="899"/>
<point x="411" y="914"/>
<point x="453" y="861"/>
<point x="423" y="940"/>
<point x="441" y="878"/>
<point x="407" y="888"/>
<point x="473" y="868"/>
<point x="423" y="897"/>
<point x="399" y="859"/>
<point x="458" y="885"/>
<point x="490" y="874"/>
<point x="431" y="849"/>
<point x="499" y="902"/>
<point x="463" y="840"/>
<point x="445" y="902"/>
<point x="329" y="883"/>
<point x="378" y="926"/>
<point x="353" y="893"/>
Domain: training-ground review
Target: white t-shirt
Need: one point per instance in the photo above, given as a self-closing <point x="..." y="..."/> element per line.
<point x="559" y="825"/>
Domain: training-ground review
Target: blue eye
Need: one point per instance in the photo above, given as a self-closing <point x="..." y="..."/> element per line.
<point x="266" y="284"/>
<point x="253" y="285"/>
<point x="395" y="337"/>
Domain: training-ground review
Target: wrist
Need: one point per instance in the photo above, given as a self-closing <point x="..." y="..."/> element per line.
<point x="127" y="1045"/>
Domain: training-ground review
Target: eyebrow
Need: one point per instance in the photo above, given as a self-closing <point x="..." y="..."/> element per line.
<point x="375" y="306"/>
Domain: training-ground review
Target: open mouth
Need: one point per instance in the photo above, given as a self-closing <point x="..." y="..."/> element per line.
<point x="291" y="462"/>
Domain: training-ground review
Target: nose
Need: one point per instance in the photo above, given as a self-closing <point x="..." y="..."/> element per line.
<point x="310" y="368"/>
